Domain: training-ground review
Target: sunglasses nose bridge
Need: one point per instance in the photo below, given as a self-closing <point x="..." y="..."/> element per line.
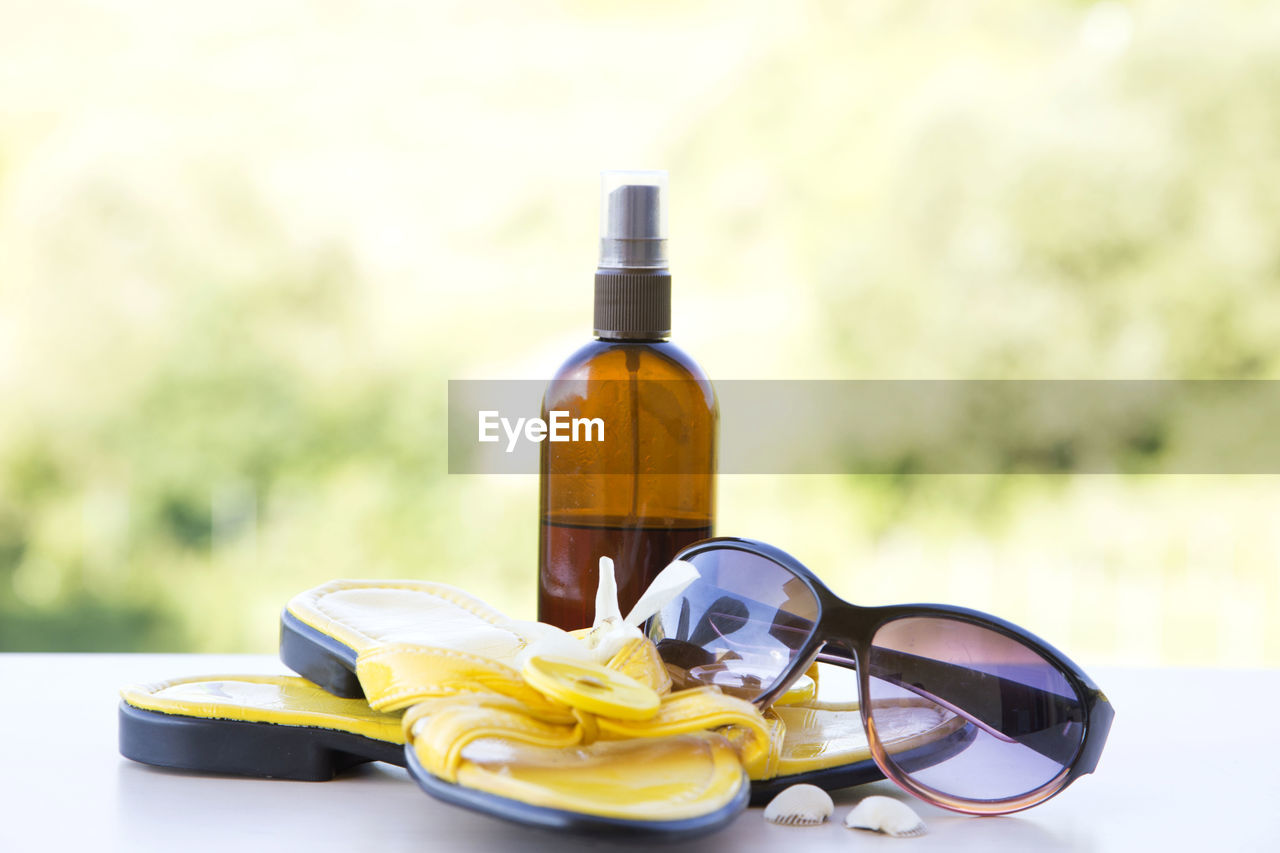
<point x="837" y="622"/>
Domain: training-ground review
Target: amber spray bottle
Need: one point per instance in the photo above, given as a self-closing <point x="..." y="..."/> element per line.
<point x="648" y="489"/>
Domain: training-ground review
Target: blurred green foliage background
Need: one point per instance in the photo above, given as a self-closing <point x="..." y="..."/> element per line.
<point x="243" y="246"/>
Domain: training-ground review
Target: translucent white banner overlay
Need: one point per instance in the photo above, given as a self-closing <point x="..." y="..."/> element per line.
<point x="887" y="427"/>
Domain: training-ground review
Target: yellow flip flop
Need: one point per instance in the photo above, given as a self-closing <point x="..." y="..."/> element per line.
<point x="273" y="726"/>
<point x="577" y="746"/>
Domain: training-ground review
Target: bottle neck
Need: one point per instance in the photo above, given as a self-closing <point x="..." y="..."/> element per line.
<point x="633" y="304"/>
<point x="631" y="337"/>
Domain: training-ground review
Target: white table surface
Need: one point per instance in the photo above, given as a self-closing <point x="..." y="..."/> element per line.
<point x="1193" y="763"/>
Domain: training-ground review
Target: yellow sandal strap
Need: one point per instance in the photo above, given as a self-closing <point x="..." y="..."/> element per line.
<point x="698" y="710"/>
<point x="397" y="676"/>
<point x="639" y="659"/>
<point x="441" y="728"/>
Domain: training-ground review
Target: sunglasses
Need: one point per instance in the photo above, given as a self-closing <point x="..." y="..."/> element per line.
<point x="1010" y="721"/>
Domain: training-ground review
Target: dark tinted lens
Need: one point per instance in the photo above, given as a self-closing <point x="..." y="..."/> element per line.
<point x="1007" y="721"/>
<point x="740" y="625"/>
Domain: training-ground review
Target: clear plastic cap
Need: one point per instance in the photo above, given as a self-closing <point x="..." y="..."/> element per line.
<point x="633" y="220"/>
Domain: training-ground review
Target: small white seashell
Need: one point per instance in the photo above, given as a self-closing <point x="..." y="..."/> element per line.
<point x="800" y="805"/>
<point x="887" y="815"/>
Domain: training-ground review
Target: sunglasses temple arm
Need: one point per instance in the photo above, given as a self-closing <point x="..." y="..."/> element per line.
<point x="847" y="663"/>
<point x="1016" y="700"/>
<point x="836" y="660"/>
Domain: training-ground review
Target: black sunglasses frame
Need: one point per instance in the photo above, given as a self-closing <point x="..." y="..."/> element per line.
<point x="842" y="635"/>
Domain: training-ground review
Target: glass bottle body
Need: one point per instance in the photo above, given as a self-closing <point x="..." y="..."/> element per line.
<point x="640" y="495"/>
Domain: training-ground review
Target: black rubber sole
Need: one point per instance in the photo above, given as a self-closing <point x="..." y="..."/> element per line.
<point x="831" y="779"/>
<point x="318" y="657"/>
<point x="239" y="748"/>
<point x="559" y="820"/>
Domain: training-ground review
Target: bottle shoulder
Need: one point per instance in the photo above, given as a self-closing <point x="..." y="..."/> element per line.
<point x="657" y="360"/>
<point x="602" y="361"/>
